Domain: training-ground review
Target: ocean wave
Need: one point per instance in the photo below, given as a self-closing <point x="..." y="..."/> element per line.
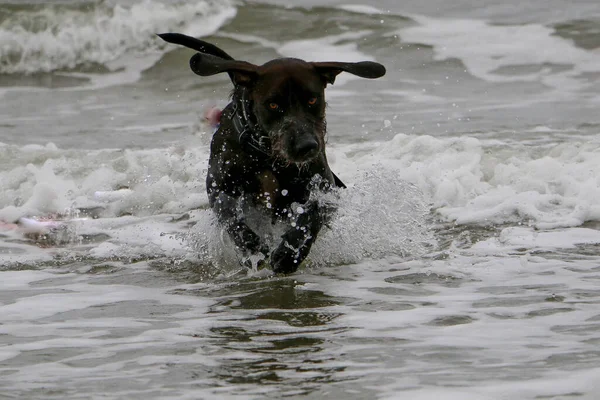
<point x="153" y="202"/>
<point x="465" y="180"/>
<point x="553" y="55"/>
<point x="91" y="38"/>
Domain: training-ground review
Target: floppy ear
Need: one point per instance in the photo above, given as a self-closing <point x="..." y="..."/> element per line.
<point x="194" y="44"/>
<point x="198" y="45"/>
<point x="364" y="69"/>
<point x="242" y="72"/>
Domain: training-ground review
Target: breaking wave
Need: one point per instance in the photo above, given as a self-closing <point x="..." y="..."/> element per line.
<point x="91" y="37"/>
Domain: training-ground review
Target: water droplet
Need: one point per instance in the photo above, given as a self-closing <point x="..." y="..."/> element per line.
<point x="284" y="192"/>
<point x="300" y="210"/>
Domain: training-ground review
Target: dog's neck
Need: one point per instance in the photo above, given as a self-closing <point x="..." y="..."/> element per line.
<point x="248" y="132"/>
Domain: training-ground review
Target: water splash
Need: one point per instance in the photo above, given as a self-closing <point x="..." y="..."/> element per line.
<point x="380" y="216"/>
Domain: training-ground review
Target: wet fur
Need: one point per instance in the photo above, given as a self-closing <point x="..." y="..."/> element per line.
<point x="290" y="164"/>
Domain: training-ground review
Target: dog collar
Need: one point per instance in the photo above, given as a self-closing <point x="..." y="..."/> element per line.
<point x="249" y="133"/>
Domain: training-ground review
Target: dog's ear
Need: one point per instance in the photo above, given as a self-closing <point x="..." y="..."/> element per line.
<point x="198" y="45"/>
<point x="194" y="44"/>
<point x="364" y="69"/>
<point x="241" y="72"/>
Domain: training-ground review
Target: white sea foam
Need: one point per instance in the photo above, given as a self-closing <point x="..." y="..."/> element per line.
<point x="504" y="314"/>
<point x="46" y="180"/>
<point x="485" y="48"/>
<point x="556" y="385"/>
<point x="509" y="317"/>
<point x="531" y="239"/>
<point x="119" y="37"/>
<point x="549" y="187"/>
<point x="392" y="184"/>
<point x="361" y="9"/>
<point x="380" y="215"/>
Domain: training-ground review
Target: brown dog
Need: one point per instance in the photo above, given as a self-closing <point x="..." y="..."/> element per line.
<point x="269" y="151"/>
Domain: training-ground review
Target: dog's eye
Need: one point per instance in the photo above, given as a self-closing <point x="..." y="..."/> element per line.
<point x="273" y="106"/>
<point x="312" y="101"/>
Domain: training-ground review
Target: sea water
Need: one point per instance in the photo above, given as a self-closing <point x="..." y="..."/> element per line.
<point x="463" y="262"/>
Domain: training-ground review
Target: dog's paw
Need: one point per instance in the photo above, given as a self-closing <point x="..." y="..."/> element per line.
<point x="285" y="259"/>
<point x="253" y="244"/>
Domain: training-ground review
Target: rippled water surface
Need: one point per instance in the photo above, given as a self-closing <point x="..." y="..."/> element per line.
<point x="463" y="263"/>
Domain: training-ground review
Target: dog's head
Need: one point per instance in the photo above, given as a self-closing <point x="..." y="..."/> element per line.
<point x="287" y="95"/>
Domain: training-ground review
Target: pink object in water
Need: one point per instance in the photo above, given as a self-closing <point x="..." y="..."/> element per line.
<point x="6" y="226"/>
<point x="213" y="116"/>
<point x="31" y="225"/>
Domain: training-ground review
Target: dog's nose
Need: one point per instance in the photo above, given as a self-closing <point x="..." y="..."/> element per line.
<point x="307" y="148"/>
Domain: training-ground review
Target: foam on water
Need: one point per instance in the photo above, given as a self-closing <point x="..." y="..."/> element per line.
<point x="162" y="184"/>
<point x="529" y="241"/>
<point x="391" y="187"/>
<point x="41" y="180"/>
<point x="379" y="216"/>
<point x="121" y="38"/>
<point x="117" y="304"/>
<point x="487" y="49"/>
<point x="361" y="9"/>
<point x="468" y="183"/>
<point x="478" y="327"/>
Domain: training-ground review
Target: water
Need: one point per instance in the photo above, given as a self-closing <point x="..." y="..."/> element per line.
<point x="463" y="263"/>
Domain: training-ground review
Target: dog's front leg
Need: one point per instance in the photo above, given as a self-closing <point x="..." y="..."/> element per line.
<point x="230" y="214"/>
<point x="297" y="241"/>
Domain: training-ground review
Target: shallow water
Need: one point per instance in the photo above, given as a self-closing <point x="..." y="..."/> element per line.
<point x="463" y="263"/>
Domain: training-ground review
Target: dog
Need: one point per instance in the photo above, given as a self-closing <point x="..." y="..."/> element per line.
<point x="269" y="150"/>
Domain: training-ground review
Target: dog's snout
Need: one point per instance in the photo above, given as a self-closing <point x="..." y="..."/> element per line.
<point x="307" y="148"/>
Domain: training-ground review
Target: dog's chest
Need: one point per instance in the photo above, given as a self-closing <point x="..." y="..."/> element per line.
<point x="277" y="191"/>
<point x="269" y="191"/>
